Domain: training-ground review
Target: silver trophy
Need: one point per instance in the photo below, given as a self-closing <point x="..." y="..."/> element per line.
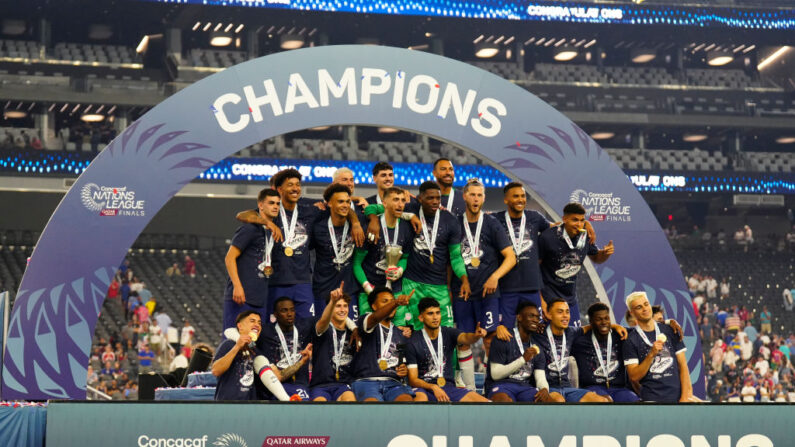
<point x="392" y="254"/>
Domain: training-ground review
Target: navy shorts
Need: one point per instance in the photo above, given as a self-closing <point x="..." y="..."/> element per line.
<point x="302" y="296"/>
<point x="571" y="394"/>
<point x="508" y="303"/>
<point x="232" y="310"/>
<point x="618" y="394"/>
<point x="331" y="392"/>
<point x="382" y="390"/>
<point x="292" y="389"/>
<point x="469" y="313"/>
<point x="454" y="393"/>
<point x="516" y="391"/>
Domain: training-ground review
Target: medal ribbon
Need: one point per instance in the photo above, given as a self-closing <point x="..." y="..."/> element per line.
<point x="285" y="350"/>
<point x="438" y="356"/>
<point x="430" y="240"/>
<point x="474" y="245"/>
<point x="557" y="359"/>
<point x="333" y="235"/>
<point x="289" y="230"/>
<point x="605" y="364"/>
<point x="517" y="244"/>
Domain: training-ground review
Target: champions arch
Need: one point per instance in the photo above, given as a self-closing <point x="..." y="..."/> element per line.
<point x="62" y="291"/>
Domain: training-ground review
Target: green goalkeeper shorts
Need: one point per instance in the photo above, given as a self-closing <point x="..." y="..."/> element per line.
<point x="409" y="315"/>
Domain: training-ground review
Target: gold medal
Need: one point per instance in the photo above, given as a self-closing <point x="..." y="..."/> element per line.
<point x="338" y="375"/>
<point x="431" y="258"/>
<point x="383" y="364"/>
<point x="475" y="262"/>
<point x="440" y="381"/>
<point x="268" y="270"/>
<point x="288" y="251"/>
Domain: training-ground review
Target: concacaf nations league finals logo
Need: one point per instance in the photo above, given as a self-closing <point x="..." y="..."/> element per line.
<point x="111" y="200"/>
<point x="600" y="207"/>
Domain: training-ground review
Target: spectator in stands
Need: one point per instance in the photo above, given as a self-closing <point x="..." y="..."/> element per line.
<point x="692" y="284"/>
<point x="721" y="317"/>
<point x="136" y="285"/>
<point x="35" y="143"/>
<point x="189" y="267"/>
<point x="124" y="291"/>
<point x="788" y="300"/>
<point x="141" y="311"/>
<point x="733" y="323"/>
<point x="749" y="236"/>
<point x="172" y="336"/>
<point x="716" y="355"/>
<point x="712" y="287"/>
<point x="765" y="319"/>
<point x="181" y="360"/>
<point x="92" y="377"/>
<point x="174" y="270"/>
<point x="705" y="329"/>
<point x="8" y="141"/>
<point x="155" y="337"/>
<point x="108" y="355"/>
<point x="724" y="287"/>
<point x="186" y="337"/>
<point x="145" y="358"/>
<point x="749" y="391"/>
<point x="113" y="289"/>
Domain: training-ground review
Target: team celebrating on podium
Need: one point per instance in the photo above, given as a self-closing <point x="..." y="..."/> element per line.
<point x="382" y="298"/>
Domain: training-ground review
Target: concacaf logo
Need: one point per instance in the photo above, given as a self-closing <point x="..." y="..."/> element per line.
<point x="230" y="440"/>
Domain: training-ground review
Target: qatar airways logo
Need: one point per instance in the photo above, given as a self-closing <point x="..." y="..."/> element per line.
<point x="660" y="440"/>
<point x="419" y="93"/>
<point x="600" y="207"/>
<point x="111" y="200"/>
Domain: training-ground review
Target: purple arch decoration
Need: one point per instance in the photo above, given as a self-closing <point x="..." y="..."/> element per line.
<point x="58" y="302"/>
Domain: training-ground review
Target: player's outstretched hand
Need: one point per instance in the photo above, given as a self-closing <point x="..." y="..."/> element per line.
<point x="503" y="334"/>
<point x="337" y="294"/>
<point x="403" y="300"/>
<point x="306" y="353"/>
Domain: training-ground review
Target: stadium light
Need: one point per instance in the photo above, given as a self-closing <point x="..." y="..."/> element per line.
<point x="718" y="58"/>
<point x="387" y="130"/>
<point x="694" y="137"/>
<point x="13" y="114"/>
<point x="785" y="140"/>
<point x="565" y="53"/>
<point x="220" y="39"/>
<point x="485" y="50"/>
<point x="319" y="128"/>
<point x="603" y="135"/>
<point x="642" y="55"/>
<point x="772" y="58"/>
<point x="291" y="41"/>
<point x="141" y="48"/>
<point x="92" y="117"/>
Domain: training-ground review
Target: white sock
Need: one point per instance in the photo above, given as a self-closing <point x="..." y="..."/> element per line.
<point x="269" y="379"/>
<point x="467" y="364"/>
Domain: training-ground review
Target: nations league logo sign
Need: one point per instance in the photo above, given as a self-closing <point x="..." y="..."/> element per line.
<point x="601" y="207"/>
<point x="111" y="201"/>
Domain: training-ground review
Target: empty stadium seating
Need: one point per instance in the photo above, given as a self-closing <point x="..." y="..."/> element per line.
<point x="25" y="49"/>
<point x="198" y="57"/>
<point x="103" y="54"/>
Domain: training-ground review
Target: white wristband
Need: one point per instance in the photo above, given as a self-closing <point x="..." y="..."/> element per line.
<point x="368" y="287"/>
<point x="406" y="215"/>
<point x="350" y="324"/>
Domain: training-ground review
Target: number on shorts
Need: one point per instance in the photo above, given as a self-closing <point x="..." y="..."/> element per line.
<point x="312" y="309"/>
<point x="489" y="318"/>
<point x="450" y="312"/>
<point x="355" y="312"/>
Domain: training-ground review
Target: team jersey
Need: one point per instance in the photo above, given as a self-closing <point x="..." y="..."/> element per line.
<point x="661" y="383"/>
<point x="250" y="240"/>
<point x="505" y="352"/>
<point x="560" y="264"/>
<point x="365" y="363"/>
<point x="419" y="268"/>
<point x="323" y="361"/>
<point x="374" y="263"/>
<point x="590" y="370"/>
<point x="270" y="345"/>
<point x="459" y="206"/>
<point x="492" y="241"/>
<point x="295" y="269"/>
<point x="557" y="372"/>
<point x="525" y="276"/>
<point x="237" y="383"/>
<point x="418" y="354"/>
<point x="330" y="270"/>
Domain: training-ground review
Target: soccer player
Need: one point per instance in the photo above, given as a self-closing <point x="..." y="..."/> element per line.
<point x="333" y="244"/>
<point x="384" y="178"/>
<point x="657" y="314"/>
<point x="438" y="244"/>
<point x="523" y="227"/>
<point x="430" y="356"/>
<point x="562" y="251"/>
<point x="236" y="362"/>
<point x="516" y="371"/>
<point x="287" y="343"/>
<point x="248" y="263"/>
<point x="370" y="263"/>
<point x="444" y="173"/>
<point x="332" y="351"/>
<point x="599" y="358"/>
<point x="378" y="368"/>
<point x="344" y="176"/>
<point x="655" y="357"/>
<point x="555" y="343"/>
<point x="291" y="257"/>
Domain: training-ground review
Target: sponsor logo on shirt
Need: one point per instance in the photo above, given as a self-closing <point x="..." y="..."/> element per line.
<point x="111" y="200"/>
<point x="601" y="207"/>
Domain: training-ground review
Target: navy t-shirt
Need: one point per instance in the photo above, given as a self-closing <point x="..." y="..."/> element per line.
<point x="295" y="269"/>
<point x="590" y="370"/>
<point x="323" y="365"/>
<point x="525" y="276"/>
<point x="505" y="352"/>
<point x="459" y="206"/>
<point x="374" y="263"/>
<point x="365" y="363"/>
<point x="493" y="240"/>
<point x="418" y="354"/>
<point x="250" y="240"/>
<point x="561" y="264"/>
<point x="558" y="377"/>
<point x="661" y="383"/>
<point x="327" y="276"/>
<point x="271" y="347"/>
<point x="238" y="382"/>
<point x="419" y="267"/>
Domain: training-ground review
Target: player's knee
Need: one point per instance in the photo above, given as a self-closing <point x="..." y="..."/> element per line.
<point x="347" y="396"/>
<point x="319" y="399"/>
<point x="404" y="398"/>
<point x="501" y="397"/>
<point x="420" y="397"/>
<point x="556" y="397"/>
